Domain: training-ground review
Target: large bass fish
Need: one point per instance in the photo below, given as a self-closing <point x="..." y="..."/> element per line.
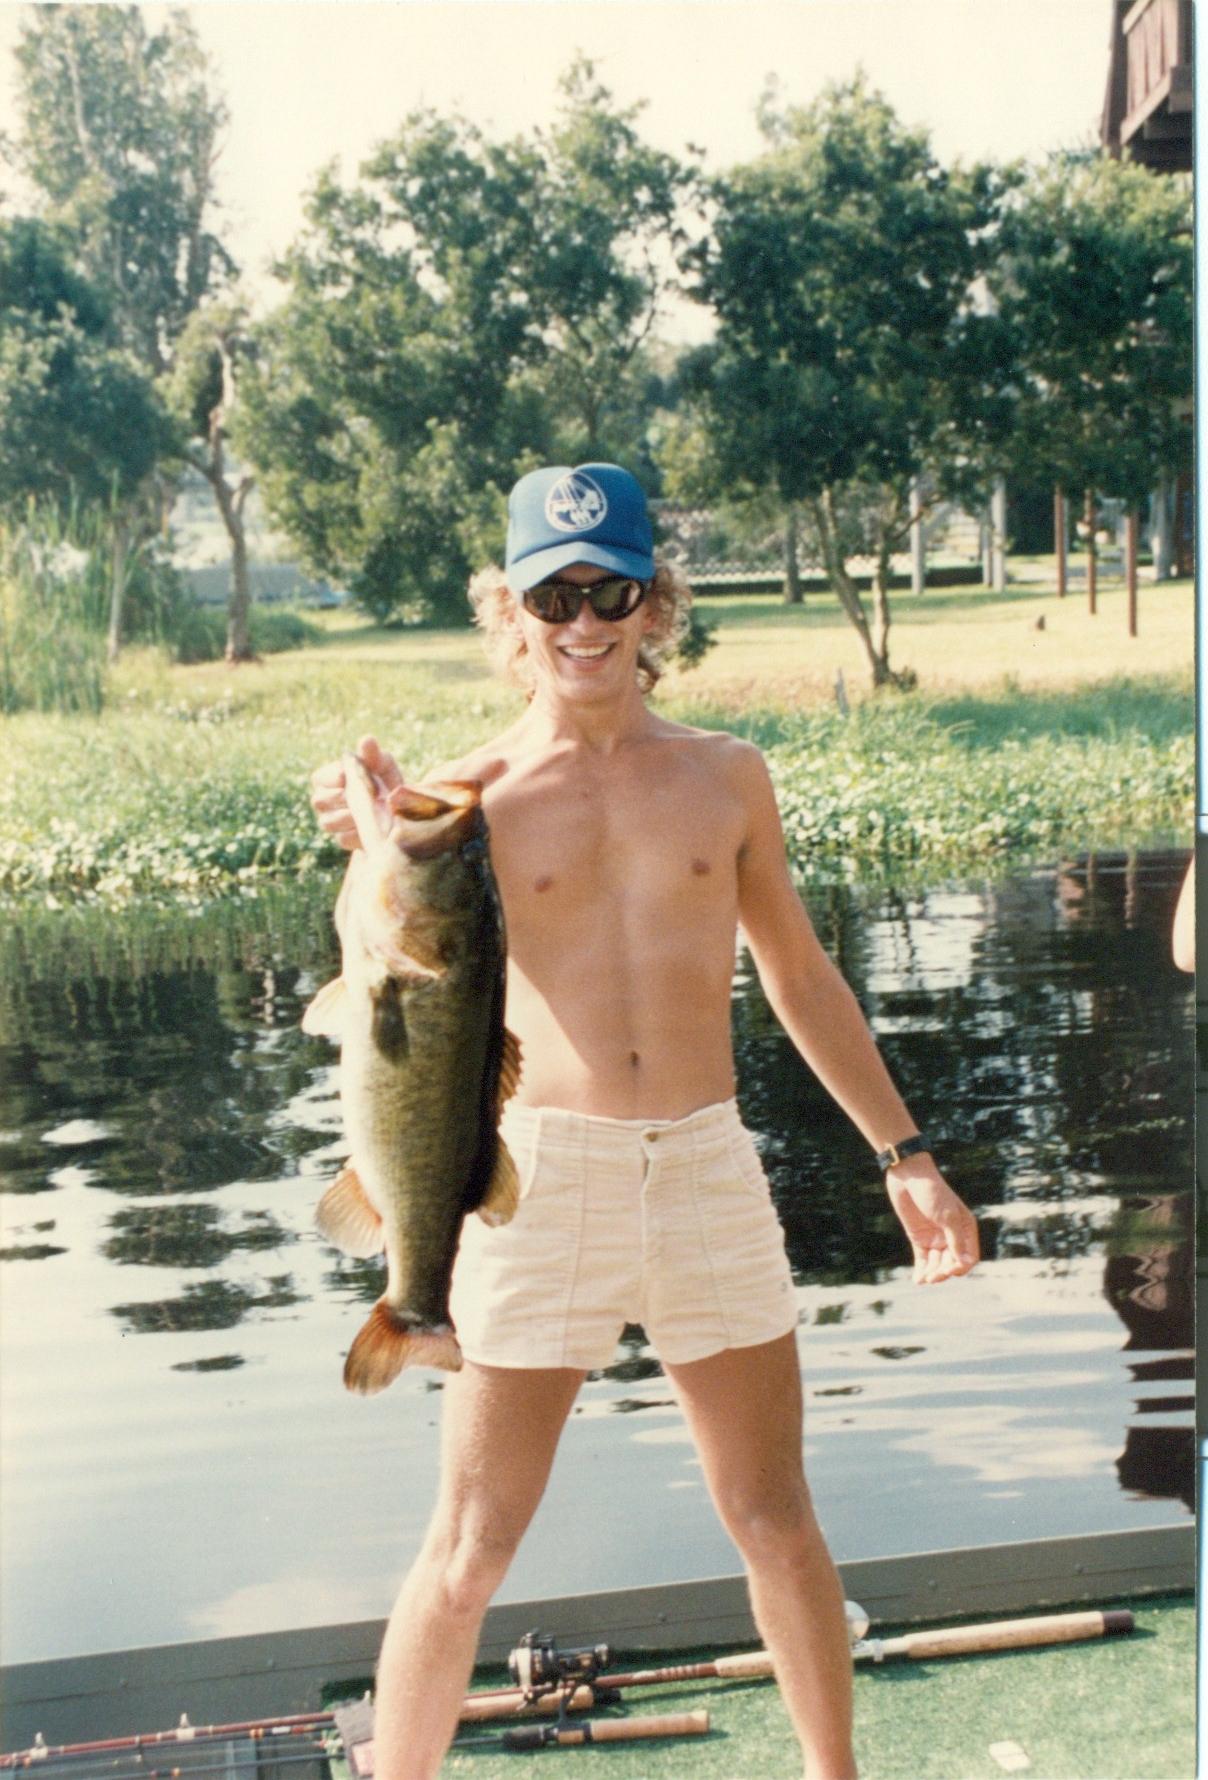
<point x="426" y="1062"/>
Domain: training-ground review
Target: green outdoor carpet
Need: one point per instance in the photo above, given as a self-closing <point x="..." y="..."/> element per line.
<point x="1113" y="1709"/>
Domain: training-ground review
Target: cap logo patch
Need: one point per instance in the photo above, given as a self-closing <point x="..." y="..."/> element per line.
<point x="576" y="503"/>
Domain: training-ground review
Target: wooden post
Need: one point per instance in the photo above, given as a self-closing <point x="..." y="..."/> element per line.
<point x="1059" y="539"/>
<point x="1131" y="568"/>
<point x="1091" y="561"/>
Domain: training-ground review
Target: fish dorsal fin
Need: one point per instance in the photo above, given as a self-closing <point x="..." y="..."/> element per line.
<point x="509" y="1066"/>
<point x="503" y="1191"/>
<point x="417" y="803"/>
<point x="346" y="1218"/>
<point x="324" y="1017"/>
<point x="459" y="794"/>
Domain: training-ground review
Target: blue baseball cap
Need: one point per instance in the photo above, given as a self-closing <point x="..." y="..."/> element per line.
<point x="558" y="516"/>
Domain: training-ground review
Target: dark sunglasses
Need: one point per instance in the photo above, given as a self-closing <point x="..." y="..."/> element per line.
<point x="560" y="602"/>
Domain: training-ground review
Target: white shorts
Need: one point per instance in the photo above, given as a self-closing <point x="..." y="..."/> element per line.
<point x="664" y="1222"/>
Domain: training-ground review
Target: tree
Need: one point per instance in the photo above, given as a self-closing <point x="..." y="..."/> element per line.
<point x="372" y="415"/>
<point x="1093" y="280"/>
<point x="119" y="134"/>
<point x="603" y="265"/>
<point x="850" y="357"/>
<point x="80" y="420"/>
<point x="464" y="310"/>
<point x="204" y="389"/>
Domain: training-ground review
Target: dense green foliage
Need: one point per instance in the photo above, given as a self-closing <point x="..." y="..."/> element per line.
<point x="887" y="328"/>
<point x="1092" y="277"/>
<point x="848" y="360"/>
<point x="207" y="795"/>
<point x="467" y="309"/>
<point x="79" y="419"/>
<point x="118" y="137"/>
<point x="119" y="133"/>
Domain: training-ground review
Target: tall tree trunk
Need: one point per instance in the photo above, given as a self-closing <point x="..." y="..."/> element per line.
<point x="1162" y="535"/>
<point x="918" y="542"/>
<point x="230" y="505"/>
<point x="998" y="536"/>
<point x="792" y="571"/>
<point x="823" y="510"/>
<point x="880" y="592"/>
<point x="239" y="611"/>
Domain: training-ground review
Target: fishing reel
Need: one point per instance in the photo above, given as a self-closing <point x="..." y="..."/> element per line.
<point x="538" y="1667"/>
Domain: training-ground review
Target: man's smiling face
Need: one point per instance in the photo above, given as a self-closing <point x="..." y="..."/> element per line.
<point x="589" y="657"/>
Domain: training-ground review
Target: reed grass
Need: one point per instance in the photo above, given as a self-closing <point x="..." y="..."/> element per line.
<point x="52" y="615"/>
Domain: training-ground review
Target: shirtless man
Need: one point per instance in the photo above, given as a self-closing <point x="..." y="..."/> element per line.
<point x="627" y="850"/>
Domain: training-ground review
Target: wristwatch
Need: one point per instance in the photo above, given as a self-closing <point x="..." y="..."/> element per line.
<point x="898" y="1152"/>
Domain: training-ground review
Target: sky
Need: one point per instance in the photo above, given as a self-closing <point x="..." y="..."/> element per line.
<point x="307" y="81"/>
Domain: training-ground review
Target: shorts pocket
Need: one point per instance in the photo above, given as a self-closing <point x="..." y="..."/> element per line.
<point x="747" y="1163"/>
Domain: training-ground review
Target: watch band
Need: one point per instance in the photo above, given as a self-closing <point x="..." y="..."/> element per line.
<point x="898" y="1152"/>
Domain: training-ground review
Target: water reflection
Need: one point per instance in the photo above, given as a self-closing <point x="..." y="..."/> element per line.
<point x="160" y="1110"/>
<point x="204" y="1304"/>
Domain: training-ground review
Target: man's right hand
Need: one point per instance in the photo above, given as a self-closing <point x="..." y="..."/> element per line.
<point x="327" y="790"/>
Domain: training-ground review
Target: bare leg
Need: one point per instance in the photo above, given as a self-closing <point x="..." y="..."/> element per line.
<point x="499" y="1431"/>
<point x="745" y="1412"/>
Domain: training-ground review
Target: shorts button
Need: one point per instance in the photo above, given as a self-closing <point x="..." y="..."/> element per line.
<point x="652" y="1136"/>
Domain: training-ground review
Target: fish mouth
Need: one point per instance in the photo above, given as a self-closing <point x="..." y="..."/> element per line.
<point x="421" y="820"/>
<point x="435" y="819"/>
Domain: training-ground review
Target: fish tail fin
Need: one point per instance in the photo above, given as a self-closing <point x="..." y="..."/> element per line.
<point x="387" y="1343"/>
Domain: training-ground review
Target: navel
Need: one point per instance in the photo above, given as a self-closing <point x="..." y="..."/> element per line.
<point x="701" y="868"/>
<point x="543" y="883"/>
<point x="635" y="1058"/>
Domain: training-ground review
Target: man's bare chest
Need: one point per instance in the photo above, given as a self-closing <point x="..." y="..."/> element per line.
<point x="566" y="844"/>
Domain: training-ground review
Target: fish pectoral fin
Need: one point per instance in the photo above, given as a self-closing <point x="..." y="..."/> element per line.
<point x="509" y="1066"/>
<point x="347" y="1218"/>
<point x="503" y="1190"/>
<point x="404" y="968"/>
<point x="324" y="1017"/>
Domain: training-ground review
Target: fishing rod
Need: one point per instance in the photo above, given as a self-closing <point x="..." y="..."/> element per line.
<point x="201" y="1770"/>
<point x="543" y="1673"/>
<point x="1009" y="1634"/>
<point x="256" y="1729"/>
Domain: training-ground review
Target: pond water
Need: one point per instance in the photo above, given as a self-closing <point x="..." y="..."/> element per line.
<point x="180" y="1458"/>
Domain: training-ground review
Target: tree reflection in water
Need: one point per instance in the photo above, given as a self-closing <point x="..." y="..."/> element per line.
<point x="204" y="1304"/>
<point x="1036" y="1024"/>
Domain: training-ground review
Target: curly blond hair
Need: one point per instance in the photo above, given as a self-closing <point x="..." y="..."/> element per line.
<point x="669" y="597"/>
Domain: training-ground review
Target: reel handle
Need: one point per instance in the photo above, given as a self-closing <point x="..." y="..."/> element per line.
<point x="607" y="1730"/>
